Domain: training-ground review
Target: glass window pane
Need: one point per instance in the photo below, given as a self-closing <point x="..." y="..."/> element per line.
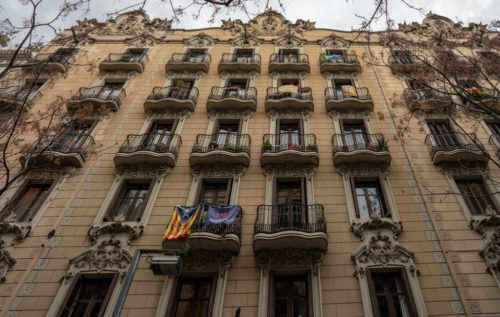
<point x="187" y="290"/>
<point x="363" y="207"/>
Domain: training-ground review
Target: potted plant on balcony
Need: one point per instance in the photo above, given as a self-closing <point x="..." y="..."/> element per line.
<point x="267" y="146"/>
<point x="353" y="60"/>
<point x="213" y="146"/>
<point x="382" y="143"/>
<point x="312" y="148"/>
<point x="230" y="146"/>
<point x="161" y="147"/>
<point x="294" y="147"/>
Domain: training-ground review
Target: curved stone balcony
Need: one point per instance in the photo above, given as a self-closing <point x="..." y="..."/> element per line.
<point x="288" y="97"/>
<point x="16" y="96"/>
<point x="485" y="96"/>
<point x="224" y="148"/>
<point x="338" y="63"/>
<point x="290" y="225"/>
<point x="240" y="63"/>
<point x="454" y="147"/>
<point x="51" y="62"/>
<point x="289" y="62"/>
<point x="172" y="98"/>
<point x="210" y="237"/>
<point x="427" y="100"/>
<point x="284" y="148"/>
<point x="232" y="98"/>
<point x="406" y="64"/>
<point x="124" y="62"/>
<point x="355" y="98"/>
<point x="358" y="147"/>
<point x="149" y="148"/>
<point x="98" y="96"/>
<point x="191" y="62"/>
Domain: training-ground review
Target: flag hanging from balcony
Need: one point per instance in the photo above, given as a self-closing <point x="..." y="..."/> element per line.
<point x="180" y="224"/>
<point x="222" y="214"/>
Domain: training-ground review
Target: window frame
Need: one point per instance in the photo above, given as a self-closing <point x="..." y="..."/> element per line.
<point x="387" y="211"/>
<point x="484" y="187"/>
<point x="203" y="184"/>
<point x="174" y="299"/>
<point x="271" y="293"/>
<point x="119" y="195"/>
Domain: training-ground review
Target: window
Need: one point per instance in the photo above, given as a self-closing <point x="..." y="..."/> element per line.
<point x="354" y="135"/>
<point x="390" y="293"/>
<point x="335" y="56"/>
<point x="133" y="55"/>
<point x="291" y="202"/>
<point x="194" y="297"/>
<point x="402" y="57"/>
<point x="28" y="200"/>
<point x="288" y="56"/>
<point x="243" y="55"/>
<point x="475" y="195"/>
<point x="495" y="129"/>
<point x="291" y="296"/>
<point x="88" y="296"/>
<point x="443" y="134"/>
<point x="159" y="135"/>
<point x="61" y="55"/>
<point x="216" y="191"/>
<point x="369" y="198"/>
<point x="226" y="134"/>
<point x="130" y="201"/>
<point x="236" y="88"/>
<point x="195" y="55"/>
<point x="344" y="88"/>
<point x="110" y="91"/>
<point x="181" y="88"/>
<point x="290" y="135"/>
<point x="76" y="136"/>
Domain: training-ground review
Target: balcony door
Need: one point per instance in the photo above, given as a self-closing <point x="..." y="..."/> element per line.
<point x="344" y="88"/>
<point x="110" y="91"/>
<point x="288" y="56"/>
<point x="133" y="55"/>
<point x="289" y="135"/>
<point x="291" y="203"/>
<point x="236" y="88"/>
<point x="226" y="135"/>
<point x="354" y="136"/>
<point x="336" y="56"/>
<point x="443" y="134"/>
<point x="181" y="89"/>
<point x="243" y="56"/>
<point x="76" y="137"/>
<point x="160" y="135"/>
<point x="196" y="55"/>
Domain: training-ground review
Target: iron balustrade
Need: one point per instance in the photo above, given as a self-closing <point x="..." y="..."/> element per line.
<point x="277" y="93"/>
<point x="240" y="58"/>
<point x="204" y="58"/>
<point x="152" y="142"/>
<point x="291" y="216"/>
<point x="63" y="59"/>
<point x="405" y="60"/>
<point x="219" y="93"/>
<point x="174" y="92"/>
<point x="361" y="93"/>
<point x="140" y="58"/>
<point x="338" y="59"/>
<point x="289" y="141"/>
<point x="200" y="223"/>
<point x="417" y="95"/>
<point x="18" y="93"/>
<point x="101" y="93"/>
<point x="289" y="58"/>
<point x="453" y="141"/>
<point x="230" y="142"/>
<point x="348" y="142"/>
<point x="67" y="144"/>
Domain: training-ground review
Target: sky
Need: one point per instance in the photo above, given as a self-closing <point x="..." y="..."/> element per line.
<point x="332" y="14"/>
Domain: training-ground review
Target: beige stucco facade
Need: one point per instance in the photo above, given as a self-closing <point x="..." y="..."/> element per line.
<point x="428" y="234"/>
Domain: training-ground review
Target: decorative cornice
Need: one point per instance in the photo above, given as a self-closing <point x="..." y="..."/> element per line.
<point x="142" y="170"/>
<point x="204" y="260"/>
<point x="290" y="258"/>
<point x="217" y="170"/>
<point x="363" y="169"/>
<point x="290" y="169"/>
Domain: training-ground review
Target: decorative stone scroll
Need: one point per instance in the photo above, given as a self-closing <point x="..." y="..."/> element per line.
<point x="489" y="227"/>
<point x="245" y="42"/>
<point x="200" y="40"/>
<point x="217" y="171"/>
<point x="290" y="169"/>
<point x="289" y="42"/>
<point x="290" y="258"/>
<point x="114" y="228"/>
<point x="204" y="260"/>
<point x="363" y="169"/>
<point x="334" y="42"/>
<point x="6" y="261"/>
<point x="9" y="226"/>
<point x="140" y="171"/>
<point x="376" y="223"/>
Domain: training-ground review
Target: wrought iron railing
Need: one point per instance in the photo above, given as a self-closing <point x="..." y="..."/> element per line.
<point x="67" y="144"/>
<point x="219" y="93"/>
<point x="360" y="93"/>
<point x="141" y="58"/>
<point x="494" y="141"/>
<point x="405" y="60"/>
<point x="289" y="58"/>
<point x="190" y="58"/>
<point x="101" y="93"/>
<point x="291" y="216"/>
<point x="452" y="141"/>
<point x="18" y="93"/>
<point x="348" y="142"/>
<point x="289" y="141"/>
<point x="240" y="58"/>
<point x="174" y="92"/>
<point x="230" y="142"/>
<point x="63" y="59"/>
<point x="300" y="93"/>
<point x="152" y="142"/>
<point x="419" y="95"/>
<point x="200" y="223"/>
<point x="338" y="59"/>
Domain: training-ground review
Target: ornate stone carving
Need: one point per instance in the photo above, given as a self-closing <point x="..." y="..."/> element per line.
<point x="168" y="114"/>
<point x="142" y="170"/>
<point x="289" y="42"/>
<point x="350" y="114"/>
<point x="246" y="42"/>
<point x="114" y="228"/>
<point x="334" y="42"/>
<point x="6" y="261"/>
<point x="217" y="170"/>
<point x="363" y="169"/>
<point x="204" y="260"/>
<point x="489" y="227"/>
<point x="108" y="255"/>
<point x="19" y="230"/>
<point x="289" y="114"/>
<point x="376" y="223"/>
<point x="52" y="171"/>
<point x="230" y="114"/>
<point x="290" y="169"/>
<point x="200" y="40"/>
<point x="465" y="168"/>
<point x="290" y="258"/>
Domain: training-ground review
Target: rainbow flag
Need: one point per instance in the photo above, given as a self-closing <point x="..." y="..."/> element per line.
<point x="180" y="224"/>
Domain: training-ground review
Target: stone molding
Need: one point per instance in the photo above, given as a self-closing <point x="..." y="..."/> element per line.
<point x="489" y="227"/>
<point x="363" y="169"/>
<point x="134" y="230"/>
<point x="289" y="42"/>
<point x="290" y="258"/>
<point x="289" y="114"/>
<point x="206" y="261"/>
<point x="245" y="42"/>
<point x="334" y="42"/>
<point x="134" y="171"/>
<point x="6" y="261"/>
<point x="19" y="229"/>
<point x="201" y="40"/>
<point x="167" y="114"/>
<point x="290" y="169"/>
<point x="217" y="171"/>
<point x="375" y="223"/>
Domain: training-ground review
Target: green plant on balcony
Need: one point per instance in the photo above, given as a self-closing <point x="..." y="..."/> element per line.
<point x="312" y="148"/>
<point x="353" y="60"/>
<point x="267" y="146"/>
<point x="304" y="60"/>
<point x="294" y="147"/>
<point x="382" y="143"/>
<point x="161" y="147"/>
<point x="323" y="59"/>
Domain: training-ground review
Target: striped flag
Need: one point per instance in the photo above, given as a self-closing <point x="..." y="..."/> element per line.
<point x="181" y="222"/>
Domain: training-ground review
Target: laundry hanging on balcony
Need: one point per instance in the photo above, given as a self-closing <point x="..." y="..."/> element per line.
<point x="180" y="224"/>
<point x="222" y="214"/>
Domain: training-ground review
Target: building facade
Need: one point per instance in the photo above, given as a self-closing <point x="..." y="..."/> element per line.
<point x="338" y="215"/>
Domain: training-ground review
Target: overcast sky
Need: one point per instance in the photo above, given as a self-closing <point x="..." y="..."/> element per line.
<point x="334" y="14"/>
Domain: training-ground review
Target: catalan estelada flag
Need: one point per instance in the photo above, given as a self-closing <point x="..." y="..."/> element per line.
<point x="181" y="222"/>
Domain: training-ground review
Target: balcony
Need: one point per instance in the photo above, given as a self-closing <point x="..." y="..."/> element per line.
<point x="484" y="96"/>
<point x="289" y="62"/>
<point x="180" y="62"/>
<point x="456" y="64"/>
<point x="172" y="98"/>
<point x="288" y="97"/>
<point x="455" y="147"/>
<point x="232" y="98"/>
<point x="338" y="63"/>
<point x="16" y="96"/>
<point x="406" y="64"/>
<point x="357" y="147"/>
<point x="427" y="100"/>
<point x="290" y="225"/>
<point x="211" y="237"/>
<point x="51" y="62"/>
<point x="355" y="98"/>
<point x="494" y="141"/>
<point x="224" y="148"/>
<point x="98" y="97"/>
<point x="240" y="63"/>
<point x="149" y="148"/>
<point x="69" y="150"/>
<point x="285" y="148"/>
<point x="124" y="62"/>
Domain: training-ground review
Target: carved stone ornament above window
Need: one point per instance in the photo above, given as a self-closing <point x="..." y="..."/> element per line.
<point x="233" y="114"/>
<point x="6" y="261"/>
<point x="290" y="169"/>
<point x="245" y="42"/>
<point x="289" y="114"/>
<point x="362" y="226"/>
<point x="200" y="40"/>
<point x="289" y="42"/>
<point x="268" y="23"/>
<point x="114" y="228"/>
<point x="134" y="171"/>
<point x="217" y="171"/>
<point x="382" y="250"/>
<point x="489" y="227"/>
<point x="363" y="169"/>
<point x="107" y="255"/>
<point x="207" y="261"/>
<point x="334" y="42"/>
<point x="167" y="114"/>
<point x="9" y="226"/>
<point x="290" y="258"/>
